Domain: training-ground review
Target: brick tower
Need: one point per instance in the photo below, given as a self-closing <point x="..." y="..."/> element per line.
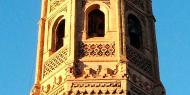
<point x="97" y="47"/>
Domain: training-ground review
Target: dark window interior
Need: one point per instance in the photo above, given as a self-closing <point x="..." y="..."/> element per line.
<point x="128" y="93"/>
<point x="135" y="32"/>
<point x="96" y="23"/>
<point x="60" y="33"/>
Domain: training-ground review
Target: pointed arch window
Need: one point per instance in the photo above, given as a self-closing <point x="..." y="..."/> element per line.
<point x="59" y="35"/>
<point x="96" y="23"/>
<point x="135" y="32"/>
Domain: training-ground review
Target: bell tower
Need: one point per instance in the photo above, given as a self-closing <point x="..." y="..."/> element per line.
<point x="97" y="47"/>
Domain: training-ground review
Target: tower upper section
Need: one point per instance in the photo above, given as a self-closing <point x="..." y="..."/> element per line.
<point x="101" y="46"/>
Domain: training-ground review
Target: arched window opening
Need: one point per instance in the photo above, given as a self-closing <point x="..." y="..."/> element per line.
<point x="96" y="23"/>
<point x="60" y="34"/>
<point x="135" y="32"/>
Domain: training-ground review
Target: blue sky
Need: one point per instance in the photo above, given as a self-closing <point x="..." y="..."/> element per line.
<point x="18" y="37"/>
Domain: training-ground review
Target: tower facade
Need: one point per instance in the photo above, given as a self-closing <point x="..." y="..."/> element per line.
<point x="97" y="47"/>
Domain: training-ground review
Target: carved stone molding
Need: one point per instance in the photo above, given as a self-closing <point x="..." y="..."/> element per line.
<point x="97" y="88"/>
<point x="96" y="84"/>
<point x="99" y="92"/>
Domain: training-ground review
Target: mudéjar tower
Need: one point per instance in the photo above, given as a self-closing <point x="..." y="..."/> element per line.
<point x="97" y="47"/>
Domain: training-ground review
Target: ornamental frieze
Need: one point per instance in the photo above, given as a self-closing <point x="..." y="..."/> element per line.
<point x="48" y="88"/>
<point x="96" y="88"/>
<point x="58" y="82"/>
<point x="98" y="72"/>
<point x="99" y="92"/>
<point x="91" y="73"/>
<point x="139" y="81"/>
<point x="96" y="84"/>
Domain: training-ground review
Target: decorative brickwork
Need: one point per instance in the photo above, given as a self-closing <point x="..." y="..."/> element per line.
<point x="58" y="81"/>
<point x="105" y="49"/>
<point x="55" y="3"/>
<point x="98" y="88"/>
<point x="140" y="81"/>
<point x="139" y="60"/>
<point x="52" y="87"/>
<point x="107" y="2"/>
<point x="96" y="84"/>
<point x="100" y="62"/>
<point x="55" y="61"/>
<point x="90" y="73"/>
<point x="136" y="91"/>
<point x="138" y="3"/>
